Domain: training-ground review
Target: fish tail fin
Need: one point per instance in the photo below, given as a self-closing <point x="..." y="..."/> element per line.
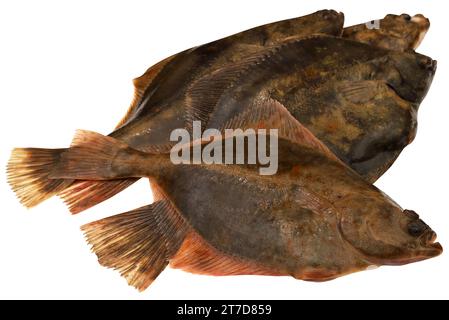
<point x="138" y="243"/>
<point x="28" y="173"/>
<point x="34" y="174"/>
<point x="93" y="156"/>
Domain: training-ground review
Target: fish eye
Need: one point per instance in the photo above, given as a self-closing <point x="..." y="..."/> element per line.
<point x="416" y="228"/>
<point x="406" y="16"/>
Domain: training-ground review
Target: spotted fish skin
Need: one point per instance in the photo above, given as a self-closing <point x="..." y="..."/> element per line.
<point x="352" y="102"/>
<point x="346" y="95"/>
<point x="314" y="219"/>
<point x="394" y="32"/>
<point x="170" y="84"/>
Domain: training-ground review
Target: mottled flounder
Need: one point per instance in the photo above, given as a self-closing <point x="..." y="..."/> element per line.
<point x="315" y="219"/>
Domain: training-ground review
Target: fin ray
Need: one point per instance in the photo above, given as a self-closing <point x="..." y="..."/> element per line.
<point x="138" y="243"/>
<point x="140" y="85"/>
<point x="90" y="157"/>
<point x="204" y="94"/>
<point x="196" y="256"/>
<point x="268" y="113"/>
<point x="84" y="194"/>
<point x="28" y="174"/>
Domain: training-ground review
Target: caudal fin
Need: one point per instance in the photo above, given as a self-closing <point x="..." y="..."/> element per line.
<point x="93" y="156"/>
<point x="90" y="157"/>
<point x="32" y="172"/>
<point x="138" y="243"/>
<point x="28" y="173"/>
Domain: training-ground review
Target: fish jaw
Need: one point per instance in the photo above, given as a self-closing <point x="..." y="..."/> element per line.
<point x="426" y="248"/>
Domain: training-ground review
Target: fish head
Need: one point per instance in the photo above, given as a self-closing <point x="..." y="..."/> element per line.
<point x="408" y="74"/>
<point x="384" y="234"/>
<point x="393" y="32"/>
<point x="403" y="31"/>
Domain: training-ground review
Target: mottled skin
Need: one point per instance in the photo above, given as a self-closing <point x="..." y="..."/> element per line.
<point x="347" y="102"/>
<point x="395" y="32"/>
<point x="315" y="219"/>
<point x="170" y="85"/>
<point x="366" y="114"/>
<point x="359" y="100"/>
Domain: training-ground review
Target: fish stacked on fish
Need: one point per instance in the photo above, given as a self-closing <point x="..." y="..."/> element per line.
<point x="344" y="102"/>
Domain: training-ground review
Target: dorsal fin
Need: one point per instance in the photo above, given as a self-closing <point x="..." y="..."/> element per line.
<point x="204" y="94"/>
<point x="268" y="113"/>
<point x="141" y="84"/>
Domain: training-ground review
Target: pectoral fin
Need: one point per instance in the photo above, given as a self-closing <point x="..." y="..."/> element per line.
<point x="359" y="92"/>
<point x="268" y="113"/>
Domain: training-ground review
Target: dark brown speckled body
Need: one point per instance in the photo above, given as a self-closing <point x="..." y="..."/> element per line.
<point x="359" y="100"/>
<point x="308" y="220"/>
<point x="346" y="99"/>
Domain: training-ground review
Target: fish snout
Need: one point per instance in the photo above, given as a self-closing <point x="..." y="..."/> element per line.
<point x="420" y="20"/>
<point x="431" y="248"/>
<point x="428" y="64"/>
<point x="423" y="25"/>
<point x="425" y="237"/>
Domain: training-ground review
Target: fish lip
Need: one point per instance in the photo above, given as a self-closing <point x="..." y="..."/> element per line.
<point x="437" y="246"/>
<point x="426" y="251"/>
<point x="429" y="249"/>
<point x="428" y="242"/>
<point x="421" y="21"/>
<point x="428" y="237"/>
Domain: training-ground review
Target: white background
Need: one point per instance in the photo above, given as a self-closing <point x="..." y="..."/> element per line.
<point x="68" y="65"/>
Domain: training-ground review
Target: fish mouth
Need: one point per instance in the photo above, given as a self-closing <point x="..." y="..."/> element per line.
<point x="426" y="248"/>
<point x="430" y="248"/>
<point x="416" y="94"/>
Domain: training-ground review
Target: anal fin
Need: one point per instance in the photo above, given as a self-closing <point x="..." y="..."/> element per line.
<point x="197" y="256"/>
